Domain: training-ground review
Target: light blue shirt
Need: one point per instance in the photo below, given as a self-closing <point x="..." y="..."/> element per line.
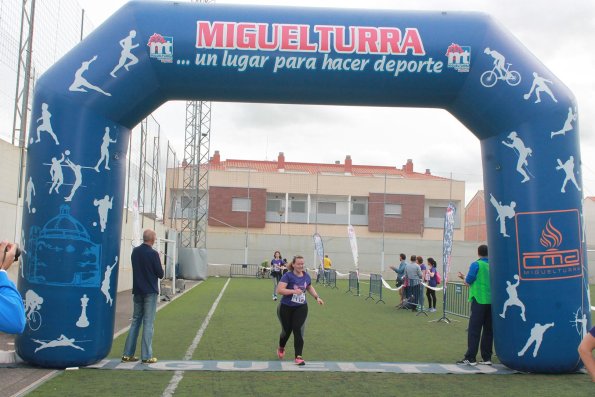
<point x="12" y="310"/>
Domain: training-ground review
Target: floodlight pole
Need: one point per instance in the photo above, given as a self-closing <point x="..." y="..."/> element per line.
<point x="247" y="221"/>
<point x="383" y="220"/>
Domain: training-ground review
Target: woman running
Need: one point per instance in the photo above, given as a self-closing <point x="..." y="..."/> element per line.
<point x="293" y="309"/>
<point x="277" y="266"/>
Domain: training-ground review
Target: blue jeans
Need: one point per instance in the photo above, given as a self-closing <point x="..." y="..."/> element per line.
<point x="145" y="307"/>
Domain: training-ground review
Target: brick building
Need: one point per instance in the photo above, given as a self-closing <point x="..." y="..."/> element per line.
<point x="475" y="219"/>
<point x="296" y="198"/>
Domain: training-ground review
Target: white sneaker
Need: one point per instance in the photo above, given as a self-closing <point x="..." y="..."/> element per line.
<point x="467" y="362"/>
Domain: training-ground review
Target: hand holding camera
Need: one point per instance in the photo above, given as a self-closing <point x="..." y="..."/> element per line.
<point x="10" y="254"/>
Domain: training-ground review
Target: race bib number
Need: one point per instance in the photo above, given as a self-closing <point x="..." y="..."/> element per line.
<point x="301" y="298"/>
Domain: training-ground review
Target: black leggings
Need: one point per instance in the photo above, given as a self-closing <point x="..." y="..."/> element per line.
<point x="431" y="295"/>
<point x="293" y="319"/>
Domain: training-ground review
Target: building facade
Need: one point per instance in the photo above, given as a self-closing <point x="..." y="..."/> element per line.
<point x="296" y="198"/>
<point x="475" y="219"/>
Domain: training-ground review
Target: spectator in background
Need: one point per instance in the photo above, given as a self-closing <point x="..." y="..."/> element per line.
<point x="480" y="321"/>
<point x="326" y="264"/>
<point x="424" y="273"/>
<point x="400" y="273"/>
<point x="277" y="266"/>
<point x="585" y="350"/>
<point x="413" y="275"/>
<point x="431" y="281"/>
<point x="12" y="310"/>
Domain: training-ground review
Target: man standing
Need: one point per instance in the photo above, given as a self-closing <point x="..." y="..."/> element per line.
<point x="480" y="321"/>
<point x="146" y="270"/>
<point x="327" y="264"/>
<point x="400" y="273"/>
<point x="413" y="274"/>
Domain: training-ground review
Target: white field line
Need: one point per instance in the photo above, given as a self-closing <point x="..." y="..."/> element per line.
<point x="178" y="375"/>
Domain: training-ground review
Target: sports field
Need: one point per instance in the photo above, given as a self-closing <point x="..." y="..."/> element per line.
<point x="244" y="326"/>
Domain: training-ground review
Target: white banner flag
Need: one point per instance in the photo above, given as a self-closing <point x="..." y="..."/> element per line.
<point x="319" y="248"/>
<point x="449" y="223"/>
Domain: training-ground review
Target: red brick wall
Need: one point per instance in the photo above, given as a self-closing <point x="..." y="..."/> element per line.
<point x="220" y="199"/>
<point x="475" y="219"/>
<point x="412" y="213"/>
<point x="476" y="233"/>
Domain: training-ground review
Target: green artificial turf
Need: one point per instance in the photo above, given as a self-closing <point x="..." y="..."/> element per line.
<point x="347" y="328"/>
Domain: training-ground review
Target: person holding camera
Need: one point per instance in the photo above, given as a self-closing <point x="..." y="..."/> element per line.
<point x="12" y="310"/>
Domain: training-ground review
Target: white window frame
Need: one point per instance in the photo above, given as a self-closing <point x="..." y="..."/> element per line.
<point x="391" y="209"/>
<point x="241" y="204"/>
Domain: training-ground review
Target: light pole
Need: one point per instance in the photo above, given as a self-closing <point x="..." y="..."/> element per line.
<point x="383" y="225"/>
<point x="281" y="212"/>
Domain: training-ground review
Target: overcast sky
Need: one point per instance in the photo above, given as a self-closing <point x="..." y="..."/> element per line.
<point x="560" y="33"/>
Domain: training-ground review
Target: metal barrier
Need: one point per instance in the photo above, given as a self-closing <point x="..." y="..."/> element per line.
<point x="244" y="270"/>
<point x="375" y="287"/>
<point x="413" y="297"/>
<point x="331" y="278"/>
<point x="457" y="299"/>
<point x="353" y="283"/>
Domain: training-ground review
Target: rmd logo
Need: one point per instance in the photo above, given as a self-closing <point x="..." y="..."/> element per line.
<point x="554" y="250"/>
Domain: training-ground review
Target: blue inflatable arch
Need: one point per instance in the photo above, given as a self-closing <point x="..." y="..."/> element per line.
<point x="152" y="52"/>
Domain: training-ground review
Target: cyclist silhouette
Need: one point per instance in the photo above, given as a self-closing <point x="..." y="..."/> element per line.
<point x="499" y="61"/>
<point x="500" y="71"/>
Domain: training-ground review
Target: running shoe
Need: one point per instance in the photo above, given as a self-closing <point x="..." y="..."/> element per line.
<point x="299" y="360"/>
<point x="280" y="352"/>
<point x="274" y="297"/>
<point x="151" y="360"/>
<point x="129" y="359"/>
<point x="467" y="362"/>
<point x="485" y="362"/>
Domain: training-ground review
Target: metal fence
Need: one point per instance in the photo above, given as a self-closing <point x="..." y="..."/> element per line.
<point x="457" y="299"/>
<point x="329" y="278"/>
<point x="413" y="298"/>
<point x="353" y="283"/>
<point x="243" y="270"/>
<point x="375" y="288"/>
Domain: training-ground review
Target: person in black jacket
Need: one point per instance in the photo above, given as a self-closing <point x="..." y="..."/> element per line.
<point x="146" y="270"/>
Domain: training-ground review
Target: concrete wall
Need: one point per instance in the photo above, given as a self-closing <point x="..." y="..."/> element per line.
<point x="10" y="207"/>
<point x="224" y="249"/>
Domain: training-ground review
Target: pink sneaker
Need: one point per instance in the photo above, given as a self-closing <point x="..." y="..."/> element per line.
<point x="280" y="352"/>
<point x="299" y="360"/>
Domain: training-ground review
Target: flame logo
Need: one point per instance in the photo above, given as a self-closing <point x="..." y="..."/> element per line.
<point x="551" y="237"/>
